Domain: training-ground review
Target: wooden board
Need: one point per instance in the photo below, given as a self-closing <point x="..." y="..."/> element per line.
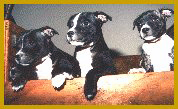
<point x="150" y="88"/>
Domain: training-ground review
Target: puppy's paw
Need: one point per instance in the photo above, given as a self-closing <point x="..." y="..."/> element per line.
<point x="89" y="92"/>
<point x="137" y="70"/>
<point x="17" y="88"/>
<point x="18" y="85"/>
<point x="58" y="81"/>
<point x="68" y="76"/>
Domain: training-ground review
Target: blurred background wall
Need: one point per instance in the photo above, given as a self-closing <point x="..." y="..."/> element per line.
<point x="118" y="33"/>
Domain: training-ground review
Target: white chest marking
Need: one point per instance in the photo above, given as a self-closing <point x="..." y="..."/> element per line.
<point x="85" y="60"/>
<point x="44" y="69"/>
<point x="159" y="53"/>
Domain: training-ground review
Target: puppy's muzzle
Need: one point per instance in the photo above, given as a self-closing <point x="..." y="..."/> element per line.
<point x="18" y="56"/>
<point x="145" y="30"/>
<point x="70" y="34"/>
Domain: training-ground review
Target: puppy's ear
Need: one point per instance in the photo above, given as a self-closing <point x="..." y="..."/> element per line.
<point x="103" y="17"/>
<point x="70" y="20"/>
<point x="166" y="13"/>
<point x="48" y="31"/>
<point x="135" y="23"/>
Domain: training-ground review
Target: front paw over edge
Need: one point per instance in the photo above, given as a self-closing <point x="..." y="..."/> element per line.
<point x="16" y="87"/>
<point x="58" y="81"/>
<point x="90" y="91"/>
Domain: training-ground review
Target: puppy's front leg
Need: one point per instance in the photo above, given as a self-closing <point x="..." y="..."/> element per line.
<point x="62" y="71"/>
<point x="58" y="81"/>
<point x="90" y="87"/>
<point x="18" y="79"/>
<point x="146" y="62"/>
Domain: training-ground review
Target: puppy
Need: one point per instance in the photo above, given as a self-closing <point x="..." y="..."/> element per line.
<point x="158" y="47"/>
<point x="38" y="58"/>
<point x="91" y="50"/>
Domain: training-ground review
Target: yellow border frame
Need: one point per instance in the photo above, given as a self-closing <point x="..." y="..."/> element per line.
<point x="78" y="2"/>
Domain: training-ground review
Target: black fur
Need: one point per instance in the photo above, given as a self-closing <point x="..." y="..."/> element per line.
<point x="88" y="31"/>
<point x="34" y="45"/>
<point x="156" y="20"/>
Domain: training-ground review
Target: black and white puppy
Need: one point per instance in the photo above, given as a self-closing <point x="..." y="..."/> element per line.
<point x="91" y="50"/>
<point x="38" y="58"/>
<point x="158" y="48"/>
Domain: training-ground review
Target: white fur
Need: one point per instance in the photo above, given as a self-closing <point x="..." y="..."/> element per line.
<point x="59" y="80"/>
<point x="76" y="43"/>
<point x="21" y="53"/>
<point x="44" y="70"/>
<point x="16" y="88"/>
<point x="159" y="53"/>
<point x="22" y="57"/>
<point x="48" y="32"/>
<point x="75" y="22"/>
<point x="67" y="76"/>
<point x="102" y="17"/>
<point x="141" y="70"/>
<point x="149" y="32"/>
<point x="85" y="59"/>
<point x="74" y="26"/>
<point x="166" y="12"/>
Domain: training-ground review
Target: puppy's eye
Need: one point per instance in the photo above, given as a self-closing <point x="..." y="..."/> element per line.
<point x="139" y="24"/>
<point x="153" y="20"/>
<point x="85" y="23"/>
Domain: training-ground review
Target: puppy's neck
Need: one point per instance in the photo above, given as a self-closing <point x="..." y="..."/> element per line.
<point x="157" y="39"/>
<point x="79" y="48"/>
<point x="153" y="41"/>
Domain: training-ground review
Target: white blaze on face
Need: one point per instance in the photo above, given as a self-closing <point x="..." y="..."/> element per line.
<point x="21" y="53"/>
<point x="75" y="20"/>
<point x="74" y="37"/>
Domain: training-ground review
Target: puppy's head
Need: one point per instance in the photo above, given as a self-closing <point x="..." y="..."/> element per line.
<point x="152" y="24"/>
<point x="85" y="27"/>
<point x="33" y="45"/>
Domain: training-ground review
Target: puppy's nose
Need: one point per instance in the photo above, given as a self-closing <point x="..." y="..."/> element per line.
<point x="17" y="57"/>
<point x="70" y="33"/>
<point x="145" y="30"/>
